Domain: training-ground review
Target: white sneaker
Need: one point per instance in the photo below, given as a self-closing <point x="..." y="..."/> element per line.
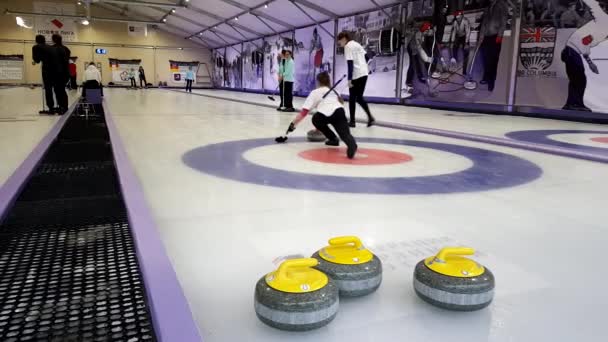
<point x="436" y="74"/>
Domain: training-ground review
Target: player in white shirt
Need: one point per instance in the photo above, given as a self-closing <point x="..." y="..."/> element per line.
<point x="357" y="76"/>
<point x="91" y="79"/>
<point x="580" y="43"/>
<point x="330" y="110"/>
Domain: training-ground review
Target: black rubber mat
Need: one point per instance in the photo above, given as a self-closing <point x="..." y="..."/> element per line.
<point x="68" y="264"/>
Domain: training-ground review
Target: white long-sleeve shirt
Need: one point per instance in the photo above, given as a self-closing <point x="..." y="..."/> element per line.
<point x="92" y="74"/>
<point x="591" y="34"/>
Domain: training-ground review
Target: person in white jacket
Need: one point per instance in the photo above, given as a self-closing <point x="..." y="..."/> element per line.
<point x="91" y="80"/>
<point x="580" y="43"/>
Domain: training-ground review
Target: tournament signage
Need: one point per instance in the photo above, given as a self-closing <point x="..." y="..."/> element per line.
<point x="54" y="23"/>
<point x="179" y="70"/>
<point x="124" y="69"/>
<point x="11" y="67"/>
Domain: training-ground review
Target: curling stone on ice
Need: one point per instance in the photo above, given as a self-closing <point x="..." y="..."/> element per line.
<point x="451" y="281"/>
<point x="356" y="271"/>
<point x="296" y="297"/>
<point x="315" y="135"/>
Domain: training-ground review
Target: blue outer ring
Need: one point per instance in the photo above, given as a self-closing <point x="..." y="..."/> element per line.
<point x="542" y="137"/>
<point x="491" y="170"/>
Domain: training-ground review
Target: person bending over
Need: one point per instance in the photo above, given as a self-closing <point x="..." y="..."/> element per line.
<point x="330" y="110"/>
<point x="357" y="76"/>
<point x="91" y="80"/>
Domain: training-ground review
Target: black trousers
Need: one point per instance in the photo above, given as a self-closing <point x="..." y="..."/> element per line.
<point x="414" y="69"/>
<point x="491" y="54"/>
<point x="281" y="85"/>
<point x="92" y="84"/>
<point x="133" y="83"/>
<point x="60" y="94"/>
<point x="189" y="85"/>
<point x="142" y="82"/>
<point x="356" y="96"/>
<point x="338" y="120"/>
<point x="461" y="43"/>
<point x="577" y="80"/>
<point x="288" y="94"/>
<point x="73" y="83"/>
<point x="47" y="81"/>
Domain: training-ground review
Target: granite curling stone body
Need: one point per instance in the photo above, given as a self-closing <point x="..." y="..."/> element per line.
<point x="451" y="281"/>
<point x="356" y="271"/>
<point x="296" y="297"/>
<point x="315" y="136"/>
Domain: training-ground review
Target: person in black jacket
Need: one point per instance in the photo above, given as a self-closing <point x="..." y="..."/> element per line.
<point x="142" y="77"/>
<point x="44" y="54"/>
<point x="63" y="74"/>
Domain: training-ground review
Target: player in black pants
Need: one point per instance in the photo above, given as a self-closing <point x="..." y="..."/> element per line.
<point x="357" y="76"/>
<point x="330" y="111"/>
<point x="44" y="54"/>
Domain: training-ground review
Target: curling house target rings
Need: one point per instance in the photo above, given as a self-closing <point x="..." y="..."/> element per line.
<point x="544" y="137"/>
<point x="490" y="170"/>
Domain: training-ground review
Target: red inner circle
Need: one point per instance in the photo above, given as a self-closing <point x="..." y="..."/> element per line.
<point x="364" y="156"/>
<point x="600" y="140"/>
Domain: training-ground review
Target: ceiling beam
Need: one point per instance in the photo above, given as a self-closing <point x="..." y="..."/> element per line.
<point x="316" y="8"/>
<point x="227" y="20"/>
<point x="220" y="19"/>
<point x="256" y="12"/>
<point x="311" y="18"/>
<point x="121" y="11"/>
<point x="188" y="20"/>
<point x="143" y="3"/>
<point x="92" y="18"/>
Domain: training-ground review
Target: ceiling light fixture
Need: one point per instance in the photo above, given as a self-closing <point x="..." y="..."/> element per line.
<point x="85" y="22"/>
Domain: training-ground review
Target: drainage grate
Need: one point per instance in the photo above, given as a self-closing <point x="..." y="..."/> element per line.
<point x="69" y="180"/>
<point x="68" y="264"/>
<point x="78" y="283"/>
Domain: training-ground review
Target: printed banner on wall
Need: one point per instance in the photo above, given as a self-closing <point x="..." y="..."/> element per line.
<point x="55" y="23"/>
<point x="179" y="71"/>
<point x="272" y="57"/>
<point x="365" y="29"/>
<point x="457" y="52"/>
<point x="11" y="67"/>
<point x="124" y="69"/>
<point x="314" y="53"/>
<point x="253" y="64"/>
<point x="137" y="29"/>
<point x="553" y="71"/>
<point x="234" y="63"/>
<point x="219" y="61"/>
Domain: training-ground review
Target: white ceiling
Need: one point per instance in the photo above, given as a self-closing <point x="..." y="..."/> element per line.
<point x="215" y="18"/>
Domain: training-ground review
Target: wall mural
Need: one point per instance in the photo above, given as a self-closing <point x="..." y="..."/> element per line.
<point x="563" y="55"/>
<point x="272" y="50"/>
<point x="253" y="64"/>
<point x="365" y="29"/>
<point x="233" y="67"/>
<point x="314" y="53"/>
<point x="456" y="51"/>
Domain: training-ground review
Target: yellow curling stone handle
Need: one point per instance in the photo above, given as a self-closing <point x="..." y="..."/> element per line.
<point x="346" y="250"/>
<point x="449" y="261"/>
<point x="297" y="276"/>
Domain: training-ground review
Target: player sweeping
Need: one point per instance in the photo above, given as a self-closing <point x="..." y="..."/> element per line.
<point x="330" y="110"/>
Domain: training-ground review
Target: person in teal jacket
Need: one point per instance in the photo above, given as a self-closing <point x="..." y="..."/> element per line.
<point x="287" y="76"/>
<point x="189" y="79"/>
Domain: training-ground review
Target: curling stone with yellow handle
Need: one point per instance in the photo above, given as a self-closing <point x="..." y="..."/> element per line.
<point x="356" y="271"/>
<point x="451" y="281"/>
<point x="296" y="297"/>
